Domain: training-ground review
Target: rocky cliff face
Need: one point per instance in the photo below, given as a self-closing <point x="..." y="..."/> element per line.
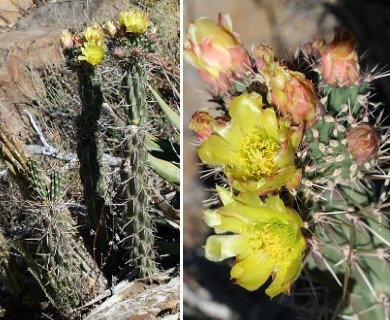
<point x="29" y="33"/>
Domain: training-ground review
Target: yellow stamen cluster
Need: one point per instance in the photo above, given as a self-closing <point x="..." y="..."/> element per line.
<point x="274" y="238"/>
<point x="257" y="155"/>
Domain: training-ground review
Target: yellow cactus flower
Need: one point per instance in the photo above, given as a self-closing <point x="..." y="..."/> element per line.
<point x="92" y="53"/>
<point x="255" y="147"/>
<point x="214" y="49"/>
<point x="135" y="21"/>
<point x="266" y="240"/>
<point x="94" y="34"/>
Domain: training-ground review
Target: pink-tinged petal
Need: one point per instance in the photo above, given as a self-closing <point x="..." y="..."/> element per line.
<point x="240" y="59"/>
<point x="216" y="59"/>
<point x="221" y="83"/>
<point x="225" y="22"/>
<point x="339" y="60"/>
<point x="200" y="122"/>
<point x="295" y="180"/>
<point x="294" y="95"/>
<point x="216" y="52"/>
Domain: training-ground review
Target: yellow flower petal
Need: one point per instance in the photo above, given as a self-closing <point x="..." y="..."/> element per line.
<point x="216" y="150"/>
<point x="93" y="53"/>
<point x="245" y="111"/>
<point x="287" y="272"/>
<point x="135" y="21"/>
<point x="222" y="223"/>
<point x="219" y="248"/>
<point x="267" y="240"/>
<point x="253" y="147"/>
<point x="252" y="272"/>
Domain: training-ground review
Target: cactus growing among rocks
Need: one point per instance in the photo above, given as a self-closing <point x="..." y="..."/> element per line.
<point x="324" y="116"/>
<point x="129" y="42"/>
<point x="73" y="233"/>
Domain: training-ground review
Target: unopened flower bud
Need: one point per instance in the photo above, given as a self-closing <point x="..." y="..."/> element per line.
<point x="66" y="39"/>
<point x="363" y="143"/>
<point x="119" y="53"/>
<point x="339" y="60"/>
<point x="200" y="123"/>
<point x="294" y="95"/>
<point x="110" y="29"/>
<point x="216" y="52"/>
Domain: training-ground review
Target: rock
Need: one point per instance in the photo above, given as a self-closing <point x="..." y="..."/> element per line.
<point x="32" y="44"/>
<point x="70" y="13"/>
<point x="22" y="55"/>
<point x="11" y="10"/>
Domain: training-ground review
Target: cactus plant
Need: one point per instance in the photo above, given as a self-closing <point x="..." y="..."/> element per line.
<point x="77" y="233"/>
<point x="90" y="154"/>
<point x="325" y="119"/>
<point x="52" y="249"/>
<point x="122" y="91"/>
<point x="140" y="225"/>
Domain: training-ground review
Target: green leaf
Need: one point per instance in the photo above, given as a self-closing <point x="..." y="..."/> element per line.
<point x="172" y="116"/>
<point x="165" y="169"/>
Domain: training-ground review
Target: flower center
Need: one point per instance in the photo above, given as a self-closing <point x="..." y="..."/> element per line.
<point x="257" y="153"/>
<point x="275" y="238"/>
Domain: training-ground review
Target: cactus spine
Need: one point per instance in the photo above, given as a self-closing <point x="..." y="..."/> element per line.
<point x="139" y="226"/>
<point x="350" y="234"/>
<point x="9" y="271"/>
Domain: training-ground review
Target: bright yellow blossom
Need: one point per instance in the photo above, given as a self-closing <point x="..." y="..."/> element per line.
<point x="135" y="21"/>
<point x="93" y="53"/>
<point x="256" y="148"/>
<point x="94" y="34"/>
<point x="266" y="240"/>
